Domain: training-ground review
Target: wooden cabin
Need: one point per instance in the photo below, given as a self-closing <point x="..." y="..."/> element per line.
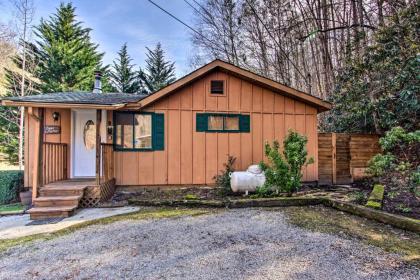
<point x="79" y="146"/>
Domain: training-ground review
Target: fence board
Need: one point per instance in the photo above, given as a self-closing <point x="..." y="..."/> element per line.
<point x="343" y="158"/>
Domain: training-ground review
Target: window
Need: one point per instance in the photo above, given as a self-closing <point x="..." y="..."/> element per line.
<point x="217" y="87"/>
<point x="215" y="122"/>
<point x="138" y="131"/>
<point x="231" y="123"/>
<point x="143" y="131"/>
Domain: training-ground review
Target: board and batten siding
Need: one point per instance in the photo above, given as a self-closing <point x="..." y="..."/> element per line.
<point x="194" y="158"/>
<point x="63" y="122"/>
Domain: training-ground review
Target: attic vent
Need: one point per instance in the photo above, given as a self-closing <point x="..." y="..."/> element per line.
<point x="217" y="87"/>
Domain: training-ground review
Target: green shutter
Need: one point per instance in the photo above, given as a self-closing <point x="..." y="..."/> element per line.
<point x="244" y="123"/>
<point x="158" y="132"/>
<point x="201" y="122"/>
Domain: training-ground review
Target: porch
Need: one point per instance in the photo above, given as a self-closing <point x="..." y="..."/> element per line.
<point x="57" y="189"/>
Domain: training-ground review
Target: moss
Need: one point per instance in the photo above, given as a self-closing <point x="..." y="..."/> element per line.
<point x="191" y="197"/>
<point x="377" y="192"/>
<point x="326" y="220"/>
<point x="376" y="197"/>
<point x="374" y="204"/>
<point x="139" y="215"/>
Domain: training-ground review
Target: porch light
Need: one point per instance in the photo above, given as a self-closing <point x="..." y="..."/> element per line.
<point x="55" y="116"/>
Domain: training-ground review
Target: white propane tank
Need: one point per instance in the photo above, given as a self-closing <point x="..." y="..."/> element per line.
<point x="247" y="181"/>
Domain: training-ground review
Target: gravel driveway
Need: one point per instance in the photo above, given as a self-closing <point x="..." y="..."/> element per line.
<point x="231" y="244"/>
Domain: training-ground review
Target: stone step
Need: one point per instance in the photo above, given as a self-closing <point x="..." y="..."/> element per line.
<point x="62" y="191"/>
<point x="39" y="213"/>
<point x="54" y="201"/>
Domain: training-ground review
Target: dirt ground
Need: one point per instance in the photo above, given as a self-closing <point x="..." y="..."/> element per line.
<point x="222" y="244"/>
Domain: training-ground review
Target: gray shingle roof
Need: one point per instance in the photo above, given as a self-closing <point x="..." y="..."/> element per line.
<point x="81" y="98"/>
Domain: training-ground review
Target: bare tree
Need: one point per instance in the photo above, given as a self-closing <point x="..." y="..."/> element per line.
<point x="301" y="43"/>
<point x="24" y="10"/>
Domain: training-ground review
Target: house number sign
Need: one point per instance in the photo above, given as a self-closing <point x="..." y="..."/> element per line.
<point x="52" y="129"/>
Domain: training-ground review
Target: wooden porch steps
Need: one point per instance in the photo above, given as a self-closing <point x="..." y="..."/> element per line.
<point x="57" y="200"/>
<point x="40" y="213"/>
<point x="62" y="190"/>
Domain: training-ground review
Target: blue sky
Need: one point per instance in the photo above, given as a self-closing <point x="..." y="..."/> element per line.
<point x="138" y="23"/>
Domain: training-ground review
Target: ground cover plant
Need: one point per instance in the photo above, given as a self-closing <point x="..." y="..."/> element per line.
<point x="9" y="208"/>
<point x="284" y="171"/>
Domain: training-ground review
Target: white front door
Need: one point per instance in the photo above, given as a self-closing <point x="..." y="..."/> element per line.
<point x="84" y="143"/>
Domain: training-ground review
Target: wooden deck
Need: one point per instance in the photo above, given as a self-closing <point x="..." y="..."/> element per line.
<point x="62" y="198"/>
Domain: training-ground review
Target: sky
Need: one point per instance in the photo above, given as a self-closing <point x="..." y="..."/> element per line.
<point x="137" y="23"/>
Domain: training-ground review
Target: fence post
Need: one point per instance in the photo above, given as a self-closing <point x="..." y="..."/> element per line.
<point x="334" y="157"/>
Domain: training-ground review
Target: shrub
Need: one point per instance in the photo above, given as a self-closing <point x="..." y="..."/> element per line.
<point x="284" y="173"/>
<point x="11" y="183"/>
<point x="223" y="179"/>
<point x="400" y="155"/>
<point x="379" y="164"/>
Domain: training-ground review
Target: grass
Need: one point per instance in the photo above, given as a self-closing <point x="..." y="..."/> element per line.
<point x="326" y="220"/>
<point x="159" y="213"/>
<point x="15" y="207"/>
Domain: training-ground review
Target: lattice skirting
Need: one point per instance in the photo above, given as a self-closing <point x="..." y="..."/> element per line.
<point x="95" y="194"/>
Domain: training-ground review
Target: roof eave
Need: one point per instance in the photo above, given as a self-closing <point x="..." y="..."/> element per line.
<point x="36" y="104"/>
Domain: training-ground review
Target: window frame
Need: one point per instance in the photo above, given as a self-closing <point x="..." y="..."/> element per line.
<point x="217" y="94"/>
<point x="114" y="140"/>
<point x="224" y="115"/>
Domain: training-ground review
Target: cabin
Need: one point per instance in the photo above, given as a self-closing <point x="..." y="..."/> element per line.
<point x="80" y="146"/>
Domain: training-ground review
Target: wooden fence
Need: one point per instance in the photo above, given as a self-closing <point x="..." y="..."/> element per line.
<point x="54" y="162"/>
<point x="343" y="158"/>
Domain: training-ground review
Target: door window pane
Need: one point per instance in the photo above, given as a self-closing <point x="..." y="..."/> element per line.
<point x="215" y="123"/>
<point x="232" y="123"/>
<point x="143" y="131"/>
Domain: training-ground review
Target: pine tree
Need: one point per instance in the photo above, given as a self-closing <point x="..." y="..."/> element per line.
<point x="158" y="73"/>
<point x="123" y="77"/>
<point x="67" y="56"/>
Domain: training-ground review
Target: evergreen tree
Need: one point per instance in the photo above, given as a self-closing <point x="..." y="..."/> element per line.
<point x="67" y="56"/>
<point x="123" y="77"/>
<point x="159" y="72"/>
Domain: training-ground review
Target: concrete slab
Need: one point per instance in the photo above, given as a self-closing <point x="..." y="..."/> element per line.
<point x="15" y="226"/>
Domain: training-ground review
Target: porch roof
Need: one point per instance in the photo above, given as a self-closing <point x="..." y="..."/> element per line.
<point x="75" y="99"/>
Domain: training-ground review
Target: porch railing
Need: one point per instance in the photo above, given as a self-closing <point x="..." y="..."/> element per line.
<point x="54" y="162"/>
<point x="107" y="162"/>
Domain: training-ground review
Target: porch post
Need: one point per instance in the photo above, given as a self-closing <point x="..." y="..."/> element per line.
<point x="98" y="145"/>
<point x="37" y="173"/>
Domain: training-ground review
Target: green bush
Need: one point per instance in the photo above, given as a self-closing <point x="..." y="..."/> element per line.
<point x="400" y="154"/>
<point x="379" y="164"/>
<point x="222" y="180"/>
<point x="284" y="173"/>
<point x="11" y="182"/>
